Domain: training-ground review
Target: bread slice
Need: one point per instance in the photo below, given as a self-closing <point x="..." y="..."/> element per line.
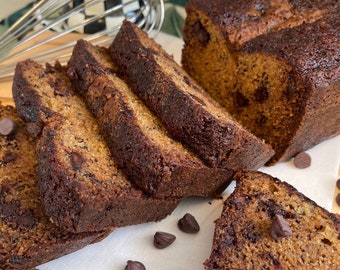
<point x="243" y="240"/>
<point x="137" y="139"/>
<point x="189" y="115"/>
<point x="28" y="237"/>
<point x="82" y="189"/>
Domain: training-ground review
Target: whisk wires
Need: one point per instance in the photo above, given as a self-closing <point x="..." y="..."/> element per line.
<point x="49" y="20"/>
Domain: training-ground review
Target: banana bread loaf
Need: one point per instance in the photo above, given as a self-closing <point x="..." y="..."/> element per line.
<point x="274" y="65"/>
<point x="136" y="138"/>
<point x="268" y="224"/>
<point x="82" y="189"/>
<point x="189" y="115"/>
<point x="28" y="238"/>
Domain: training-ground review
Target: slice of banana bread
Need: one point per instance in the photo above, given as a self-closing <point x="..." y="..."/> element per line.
<point x="28" y="238"/>
<point x="81" y="187"/>
<point x="189" y="115"/>
<point x="268" y="224"/>
<point x="137" y="139"/>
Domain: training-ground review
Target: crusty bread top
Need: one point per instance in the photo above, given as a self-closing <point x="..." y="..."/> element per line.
<point x="241" y="21"/>
<point x="137" y="139"/>
<point x="243" y="240"/>
<point x="57" y="100"/>
<point x="312" y="49"/>
<point x="189" y="114"/>
<point x="76" y="172"/>
<point x="28" y="237"/>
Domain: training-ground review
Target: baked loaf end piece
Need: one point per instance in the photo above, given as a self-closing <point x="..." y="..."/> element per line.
<point x="137" y="139"/>
<point x="189" y="115"/>
<point x="242" y="238"/>
<point x="276" y="70"/>
<point x="81" y="187"/>
<point x="28" y="237"/>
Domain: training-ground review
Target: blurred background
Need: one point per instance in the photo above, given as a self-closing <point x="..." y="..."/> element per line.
<point x="173" y="19"/>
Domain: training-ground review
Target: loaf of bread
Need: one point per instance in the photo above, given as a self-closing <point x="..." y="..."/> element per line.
<point x="136" y="138"/>
<point x="267" y="224"/>
<point x="189" y="115"/>
<point x="274" y="65"/>
<point x="82" y="189"/>
<point x="28" y="238"/>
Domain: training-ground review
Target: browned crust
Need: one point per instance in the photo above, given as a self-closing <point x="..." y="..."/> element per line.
<point x="306" y="39"/>
<point x="239" y="232"/>
<point x="313" y="52"/>
<point x="289" y="189"/>
<point x="67" y="199"/>
<point x="25" y="219"/>
<point x="220" y="144"/>
<point x="311" y="48"/>
<point x="241" y="21"/>
<point x="156" y="171"/>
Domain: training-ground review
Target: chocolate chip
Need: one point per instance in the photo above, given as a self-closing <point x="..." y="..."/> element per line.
<point x="76" y="160"/>
<point x="326" y="241"/>
<point x="280" y="228"/>
<point x="188" y="224"/>
<point x="7" y="126"/>
<point x="261" y="120"/>
<point x="202" y="35"/>
<point x="26" y="219"/>
<point x="8" y="209"/>
<point x="134" y="265"/>
<point x="9" y="157"/>
<point x="338" y="183"/>
<point x="337" y="199"/>
<point x="271" y="257"/>
<point x="240" y="100"/>
<point x="302" y="160"/>
<point x="163" y="239"/>
<point x="261" y="94"/>
<point x="251" y="235"/>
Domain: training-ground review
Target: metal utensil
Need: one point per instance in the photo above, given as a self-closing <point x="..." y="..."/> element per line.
<point x="97" y="21"/>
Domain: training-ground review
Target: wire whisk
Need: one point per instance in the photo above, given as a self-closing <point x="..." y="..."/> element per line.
<point x="97" y="21"/>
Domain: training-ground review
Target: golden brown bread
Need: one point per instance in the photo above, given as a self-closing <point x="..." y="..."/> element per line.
<point x="136" y="138"/>
<point x="274" y="65"/>
<point x="245" y="237"/>
<point x="189" y="115"/>
<point x="82" y="189"/>
<point x="28" y="238"/>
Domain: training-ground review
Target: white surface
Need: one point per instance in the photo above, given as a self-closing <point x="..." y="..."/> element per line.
<point x="188" y="252"/>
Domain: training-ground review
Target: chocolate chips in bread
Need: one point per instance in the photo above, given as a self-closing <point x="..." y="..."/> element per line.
<point x="28" y="238"/>
<point x="137" y="139"/>
<point x="268" y="224"/>
<point x="276" y="70"/>
<point x="82" y="189"/>
<point x="189" y="115"/>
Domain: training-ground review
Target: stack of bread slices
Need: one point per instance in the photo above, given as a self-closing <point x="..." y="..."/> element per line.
<point x="97" y="150"/>
<point x="117" y="137"/>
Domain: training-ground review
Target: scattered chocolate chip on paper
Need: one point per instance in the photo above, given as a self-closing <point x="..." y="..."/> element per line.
<point x="338" y="183"/>
<point x="302" y="160"/>
<point x="163" y="239"/>
<point x="337" y="199"/>
<point x="134" y="265"/>
<point x="188" y="224"/>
